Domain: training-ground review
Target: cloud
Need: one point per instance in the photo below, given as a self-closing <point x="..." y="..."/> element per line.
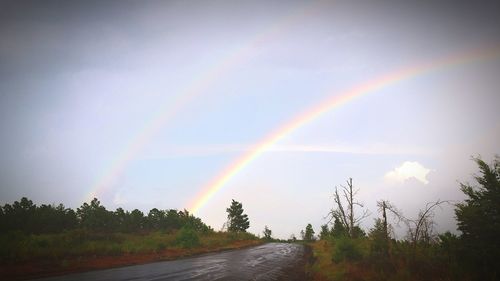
<point x="408" y="170"/>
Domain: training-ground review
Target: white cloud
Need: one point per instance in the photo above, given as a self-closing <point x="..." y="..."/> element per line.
<point x="408" y="170"/>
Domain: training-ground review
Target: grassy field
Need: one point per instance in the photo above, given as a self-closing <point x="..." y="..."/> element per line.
<point x="336" y="259"/>
<point x="26" y="256"/>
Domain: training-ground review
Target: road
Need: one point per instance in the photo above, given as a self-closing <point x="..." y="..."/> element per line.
<point x="272" y="261"/>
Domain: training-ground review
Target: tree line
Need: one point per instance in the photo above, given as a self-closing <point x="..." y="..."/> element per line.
<point x="28" y="218"/>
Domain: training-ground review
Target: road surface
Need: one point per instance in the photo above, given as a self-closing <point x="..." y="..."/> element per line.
<point x="272" y="261"/>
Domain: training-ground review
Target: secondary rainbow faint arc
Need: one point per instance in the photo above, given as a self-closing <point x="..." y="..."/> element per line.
<point x="194" y="90"/>
<point x="331" y="103"/>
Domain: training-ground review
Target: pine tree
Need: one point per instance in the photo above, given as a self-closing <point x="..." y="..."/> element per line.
<point x="309" y="233"/>
<point x="338" y="229"/>
<point x="237" y="221"/>
<point x="325" y="232"/>
<point x="479" y="220"/>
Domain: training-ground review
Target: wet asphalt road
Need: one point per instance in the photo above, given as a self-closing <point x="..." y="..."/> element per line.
<point x="272" y="261"/>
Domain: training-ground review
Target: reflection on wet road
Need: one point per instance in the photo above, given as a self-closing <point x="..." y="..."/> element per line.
<point x="273" y="261"/>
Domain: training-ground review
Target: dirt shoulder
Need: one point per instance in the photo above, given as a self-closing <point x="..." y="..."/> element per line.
<point x="55" y="267"/>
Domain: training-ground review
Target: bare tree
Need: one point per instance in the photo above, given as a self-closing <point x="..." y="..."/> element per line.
<point x="385" y="207"/>
<point x="421" y="228"/>
<point x="344" y="211"/>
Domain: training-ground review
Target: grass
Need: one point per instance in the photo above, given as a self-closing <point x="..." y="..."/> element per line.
<point x="26" y="256"/>
<point x="334" y="260"/>
<point x="78" y="243"/>
<point x="344" y="259"/>
<point x="15" y="247"/>
<point x="325" y="268"/>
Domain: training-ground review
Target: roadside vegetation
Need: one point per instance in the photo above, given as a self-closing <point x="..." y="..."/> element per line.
<point x="47" y="239"/>
<point x="346" y="252"/>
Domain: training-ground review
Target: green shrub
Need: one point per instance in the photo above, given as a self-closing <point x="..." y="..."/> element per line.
<point x="187" y="238"/>
<point x="346" y="250"/>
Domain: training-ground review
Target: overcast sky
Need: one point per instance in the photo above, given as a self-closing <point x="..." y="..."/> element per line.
<point x="82" y="85"/>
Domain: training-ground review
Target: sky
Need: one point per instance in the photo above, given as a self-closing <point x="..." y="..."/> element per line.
<point x="144" y="104"/>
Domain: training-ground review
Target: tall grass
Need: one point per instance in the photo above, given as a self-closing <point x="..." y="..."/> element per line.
<point x="354" y="259"/>
<point x="16" y="246"/>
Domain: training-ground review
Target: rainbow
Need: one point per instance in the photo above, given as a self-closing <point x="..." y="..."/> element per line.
<point x="194" y="90"/>
<point x="334" y="101"/>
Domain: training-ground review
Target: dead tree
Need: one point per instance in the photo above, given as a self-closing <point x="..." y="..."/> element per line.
<point x="421" y="228"/>
<point x="385" y="207"/>
<point x="344" y="212"/>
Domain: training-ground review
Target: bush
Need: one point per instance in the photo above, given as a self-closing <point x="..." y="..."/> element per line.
<point x="187" y="238"/>
<point x="346" y="250"/>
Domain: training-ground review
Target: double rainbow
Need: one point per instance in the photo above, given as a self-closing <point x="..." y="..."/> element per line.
<point x="196" y="89"/>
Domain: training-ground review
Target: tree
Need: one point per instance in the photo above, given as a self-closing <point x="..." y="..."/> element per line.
<point x="121" y="219"/>
<point x="267" y="233"/>
<point x="325" y="232"/>
<point x="358" y="232"/>
<point x="94" y="216"/>
<point x="479" y="220"/>
<point x="173" y="220"/>
<point x="379" y="247"/>
<point x="26" y="217"/>
<point x="137" y="220"/>
<point x="421" y="229"/>
<point x="309" y="233"/>
<point x="344" y="211"/>
<point x="237" y="221"/>
<point x="24" y="213"/>
<point x="383" y="206"/>
<point x="193" y="222"/>
<point x="338" y="229"/>
<point x="380" y="234"/>
<point x="449" y="244"/>
<point x="156" y="219"/>
<point x="53" y="219"/>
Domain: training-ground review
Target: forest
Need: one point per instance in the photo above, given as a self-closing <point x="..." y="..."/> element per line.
<point x="27" y="218"/>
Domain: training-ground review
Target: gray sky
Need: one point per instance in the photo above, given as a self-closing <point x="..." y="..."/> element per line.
<point x="82" y="86"/>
